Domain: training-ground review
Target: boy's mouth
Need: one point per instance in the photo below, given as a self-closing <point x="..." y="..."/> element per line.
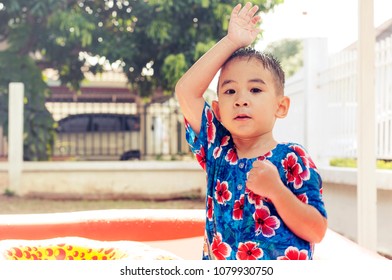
<point x="242" y="117"/>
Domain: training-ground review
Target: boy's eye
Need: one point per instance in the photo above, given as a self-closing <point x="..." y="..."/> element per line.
<point x="230" y="91"/>
<point x="255" y="90"/>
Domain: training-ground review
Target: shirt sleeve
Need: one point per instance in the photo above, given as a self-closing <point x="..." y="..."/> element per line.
<point x="307" y="182"/>
<point x="201" y="144"/>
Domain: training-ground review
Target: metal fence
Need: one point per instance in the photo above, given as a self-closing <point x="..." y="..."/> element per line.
<point x="109" y="125"/>
<point x="323" y="112"/>
<point x="340" y="93"/>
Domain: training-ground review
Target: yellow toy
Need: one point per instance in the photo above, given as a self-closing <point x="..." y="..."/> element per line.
<point x="77" y="248"/>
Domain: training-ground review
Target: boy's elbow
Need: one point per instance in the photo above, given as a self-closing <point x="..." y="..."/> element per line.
<point x="178" y="90"/>
<point x="321" y="231"/>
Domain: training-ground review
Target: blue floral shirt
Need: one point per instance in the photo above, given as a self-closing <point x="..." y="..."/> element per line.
<point x="239" y="223"/>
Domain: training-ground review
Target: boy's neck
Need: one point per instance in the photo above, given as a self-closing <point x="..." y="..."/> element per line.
<point x="252" y="148"/>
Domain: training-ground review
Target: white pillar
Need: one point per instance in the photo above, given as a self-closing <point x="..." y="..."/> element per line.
<point x="15" y="135"/>
<point x="315" y="59"/>
<point x="366" y="188"/>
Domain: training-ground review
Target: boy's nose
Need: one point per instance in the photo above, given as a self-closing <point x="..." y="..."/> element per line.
<point x="241" y="99"/>
<point x="241" y="104"/>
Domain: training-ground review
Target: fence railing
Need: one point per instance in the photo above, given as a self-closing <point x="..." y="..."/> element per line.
<point x="384" y="97"/>
<point x="338" y="88"/>
<point x="113" y="129"/>
<point x="330" y="127"/>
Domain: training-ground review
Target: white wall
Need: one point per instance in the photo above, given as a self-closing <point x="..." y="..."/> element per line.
<point x="120" y="179"/>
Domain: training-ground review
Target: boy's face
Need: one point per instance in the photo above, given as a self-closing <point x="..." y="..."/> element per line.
<point x="248" y="102"/>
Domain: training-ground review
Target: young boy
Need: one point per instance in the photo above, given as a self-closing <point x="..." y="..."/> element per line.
<point x="263" y="197"/>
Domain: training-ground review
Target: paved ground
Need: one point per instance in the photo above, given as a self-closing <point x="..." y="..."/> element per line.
<point x="19" y="205"/>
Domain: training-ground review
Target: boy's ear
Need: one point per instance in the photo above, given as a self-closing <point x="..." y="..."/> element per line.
<point x="215" y="108"/>
<point x="283" y="107"/>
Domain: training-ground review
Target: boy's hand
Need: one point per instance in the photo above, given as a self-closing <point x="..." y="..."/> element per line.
<point x="243" y="28"/>
<point x="264" y="179"/>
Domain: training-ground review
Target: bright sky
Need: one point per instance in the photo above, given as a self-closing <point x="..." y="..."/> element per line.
<point x="336" y="20"/>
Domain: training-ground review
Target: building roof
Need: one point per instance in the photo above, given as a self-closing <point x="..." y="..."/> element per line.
<point x="92" y="94"/>
<point x="101" y="94"/>
<point x="381" y="32"/>
<point x="384" y="30"/>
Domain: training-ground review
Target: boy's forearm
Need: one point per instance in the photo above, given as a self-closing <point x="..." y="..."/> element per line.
<point x="197" y="79"/>
<point x="303" y="219"/>
<point x="191" y="87"/>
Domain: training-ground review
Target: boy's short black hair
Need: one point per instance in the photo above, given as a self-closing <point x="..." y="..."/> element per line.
<point x="269" y="62"/>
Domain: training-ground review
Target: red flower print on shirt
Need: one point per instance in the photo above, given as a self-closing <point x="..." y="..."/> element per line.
<point x="293" y="253"/>
<point x="201" y="158"/>
<point x="231" y="157"/>
<point x="293" y="170"/>
<point x="304" y="156"/>
<point x="303" y="197"/>
<point x="238" y="209"/>
<point x="218" y="150"/>
<point x="264" y="223"/>
<point x="221" y="250"/>
<point x="253" y="198"/>
<point x="263" y="157"/>
<point x="187" y="125"/>
<point x="211" y="129"/>
<point x="249" y="251"/>
<point x="222" y="193"/>
<point x="210" y="208"/>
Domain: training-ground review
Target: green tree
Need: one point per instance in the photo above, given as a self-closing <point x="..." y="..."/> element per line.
<point x="153" y="41"/>
<point x="38" y="123"/>
<point x="290" y="54"/>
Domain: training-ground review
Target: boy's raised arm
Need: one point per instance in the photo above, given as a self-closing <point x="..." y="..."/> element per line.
<point x="190" y="88"/>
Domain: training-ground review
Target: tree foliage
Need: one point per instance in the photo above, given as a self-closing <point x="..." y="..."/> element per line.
<point x="290" y="54"/>
<point x="141" y="35"/>
<point x="153" y="41"/>
<point x="38" y="123"/>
